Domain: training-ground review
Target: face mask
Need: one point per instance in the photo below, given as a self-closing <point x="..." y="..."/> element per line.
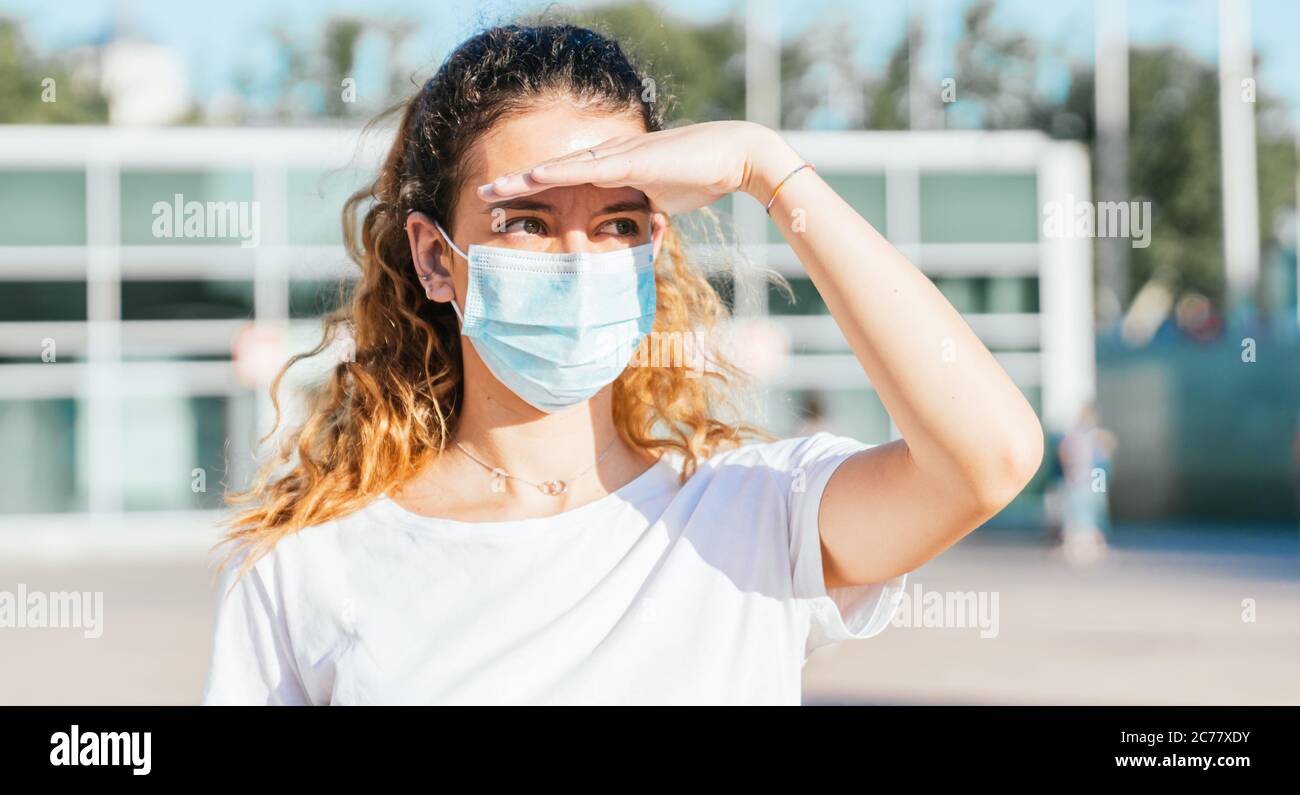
<point x="556" y="328"/>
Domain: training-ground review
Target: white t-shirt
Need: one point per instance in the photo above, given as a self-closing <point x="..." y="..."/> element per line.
<point x="657" y="593"/>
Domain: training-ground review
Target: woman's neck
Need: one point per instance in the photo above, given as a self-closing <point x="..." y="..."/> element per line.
<point x="504" y="432"/>
<point x="580" y="446"/>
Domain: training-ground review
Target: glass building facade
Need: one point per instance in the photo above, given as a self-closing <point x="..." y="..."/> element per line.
<point x="118" y="389"/>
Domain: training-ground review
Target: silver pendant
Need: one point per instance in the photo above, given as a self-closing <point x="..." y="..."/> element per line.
<point x="553" y="488"/>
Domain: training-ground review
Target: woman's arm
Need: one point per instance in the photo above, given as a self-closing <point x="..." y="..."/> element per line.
<point x="970" y="439"/>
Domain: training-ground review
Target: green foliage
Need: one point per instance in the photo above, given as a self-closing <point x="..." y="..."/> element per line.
<point x="25" y="88"/>
<point x="1174" y="156"/>
<point x="1174" y="162"/>
<point x="699" y="69"/>
<point x="887" y="104"/>
<point x="313" y="70"/>
<point x="996" y="69"/>
<point x="339" y="55"/>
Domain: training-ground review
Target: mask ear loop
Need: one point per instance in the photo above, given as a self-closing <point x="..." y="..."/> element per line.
<point x="454" y="305"/>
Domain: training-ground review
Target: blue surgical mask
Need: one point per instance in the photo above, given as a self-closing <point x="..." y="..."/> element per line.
<point x="556" y="328"/>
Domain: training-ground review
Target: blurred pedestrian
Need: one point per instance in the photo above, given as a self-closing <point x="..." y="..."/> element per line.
<point x="1295" y="459"/>
<point x="1085" y="457"/>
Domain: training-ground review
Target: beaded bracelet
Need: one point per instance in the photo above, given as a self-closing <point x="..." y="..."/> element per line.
<point x="781" y="185"/>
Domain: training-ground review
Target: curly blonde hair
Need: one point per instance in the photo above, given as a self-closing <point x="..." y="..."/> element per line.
<point x="393" y="405"/>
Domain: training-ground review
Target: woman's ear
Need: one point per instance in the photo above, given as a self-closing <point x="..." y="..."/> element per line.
<point x="658" y="226"/>
<point x="431" y="257"/>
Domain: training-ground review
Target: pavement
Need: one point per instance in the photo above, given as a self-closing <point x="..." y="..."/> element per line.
<point x="1185" y="619"/>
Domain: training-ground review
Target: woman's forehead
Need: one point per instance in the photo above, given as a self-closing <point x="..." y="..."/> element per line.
<point x="524" y="140"/>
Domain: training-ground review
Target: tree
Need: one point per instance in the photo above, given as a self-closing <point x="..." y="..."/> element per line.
<point x="1174" y="155"/>
<point x="700" y="68"/>
<point x="37" y="90"/>
<point x="311" y="81"/>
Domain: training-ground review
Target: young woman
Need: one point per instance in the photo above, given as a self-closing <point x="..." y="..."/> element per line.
<point x="491" y="504"/>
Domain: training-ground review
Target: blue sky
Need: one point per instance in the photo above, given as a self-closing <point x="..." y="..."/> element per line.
<point x="218" y="41"/>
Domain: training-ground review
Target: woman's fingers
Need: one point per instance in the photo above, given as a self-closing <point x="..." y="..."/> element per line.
<point x="522" y="183"/>
<point x="508" y="186"/>
<point x="610" y="170"/>
<point x="605" y="168"/>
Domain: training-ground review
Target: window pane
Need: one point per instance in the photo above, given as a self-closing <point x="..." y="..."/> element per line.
<point x="806" y="300"/>
<point x="315" y="298"/>
<point x="42" y="208"/>
<point x="315" y="205"/>
<point x="38" y="471"/>
<point x="149" y="208"/>
<point x="186" y="300"/>
<point x="966" y="293"/>
<point x="43" y="301"/>
<point x="176" y="459"/>
<point x="979" y="208"/>
<point x="864" y="192"/>
<point x="1013" y="294"/>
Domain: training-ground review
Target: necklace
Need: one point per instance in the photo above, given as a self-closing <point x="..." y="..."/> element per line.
<point x="553" y="488"/>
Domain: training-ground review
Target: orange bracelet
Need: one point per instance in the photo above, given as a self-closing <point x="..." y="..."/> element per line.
<point x="781" y="185"/>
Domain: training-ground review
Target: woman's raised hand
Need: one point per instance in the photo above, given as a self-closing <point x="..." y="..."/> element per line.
<point x="678" y="170"/>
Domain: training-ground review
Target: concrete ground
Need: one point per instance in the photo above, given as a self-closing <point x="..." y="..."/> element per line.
<point x="1156" y="622"/>
<point x="1164" y="623"/>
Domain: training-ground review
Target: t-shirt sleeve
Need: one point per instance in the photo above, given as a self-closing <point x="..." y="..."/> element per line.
<point x="845" y="613"/>
<point x="252" y="662"/>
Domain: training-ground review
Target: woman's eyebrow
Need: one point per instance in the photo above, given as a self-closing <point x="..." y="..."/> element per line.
<point x="642" y="205"/>
<point x="521" y="204"/>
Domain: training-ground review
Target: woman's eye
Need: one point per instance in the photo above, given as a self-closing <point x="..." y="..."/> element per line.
<point x="623" y="227"/>
<point x="529" y="226"/>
